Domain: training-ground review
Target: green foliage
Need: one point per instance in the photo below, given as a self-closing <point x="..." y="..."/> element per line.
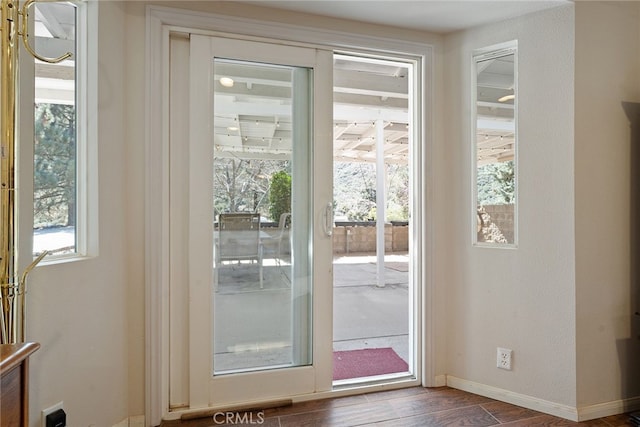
<point x="54" y="165"/>
<point x="397" y="192"/>
<point x="496" y="184"/>
<point x="264" y="186"/>
<point x="355" y="191"/>
<point x="242" y="185"/>
<point x="279" y="195"/>
<point x="396" y="212"/>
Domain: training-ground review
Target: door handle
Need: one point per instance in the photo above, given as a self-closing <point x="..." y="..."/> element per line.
<point x="328" y="219"/>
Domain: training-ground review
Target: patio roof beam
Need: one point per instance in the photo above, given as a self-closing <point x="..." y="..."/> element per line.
<point x="51" y="15"/>
<point x="347" y="113"/>
<point x="52" y="48"/>
<point x="357" y="114"/>
<point x="493" y="142"/>
<point x="502" y="105"/>
<point x="247" y="153"/>
<point x="495" y="125"/>
<point x="368" y="101"/>
<point x="349" y="81"/>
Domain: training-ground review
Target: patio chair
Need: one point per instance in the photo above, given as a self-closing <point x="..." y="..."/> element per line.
<point x="238" y="239"/>
<point x="277" y="245"/>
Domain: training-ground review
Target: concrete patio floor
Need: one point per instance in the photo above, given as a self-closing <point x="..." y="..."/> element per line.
<point x="253" y="335"/>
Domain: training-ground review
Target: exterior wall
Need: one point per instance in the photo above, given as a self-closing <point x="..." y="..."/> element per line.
<point x="502" y="217"/>
<point x="353" y="239"/>
<point x="523" y="298"/>
<point x="607" y="73"/>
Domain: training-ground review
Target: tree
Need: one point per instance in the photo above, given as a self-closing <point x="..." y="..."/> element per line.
<point x="54" y="165"/>
<point x="242" y="185"/>
<point x="354" y="189"/>
<point x="279" y="195"/>
<point x="496" y="184"/>
<point x="355" y="192"/>
<point x="397" y="192"/>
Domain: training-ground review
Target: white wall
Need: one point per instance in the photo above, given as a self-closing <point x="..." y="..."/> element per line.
<point x="89" y="315"/>
<point x="607" y="73"/>
<point x="78" y="310"/>
<point x="524" y="298"/>
<point x="134" y="90"/>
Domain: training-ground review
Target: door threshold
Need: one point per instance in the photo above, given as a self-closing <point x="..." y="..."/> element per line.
<point x="352" y="388"/>
<point x="348" y="388"/>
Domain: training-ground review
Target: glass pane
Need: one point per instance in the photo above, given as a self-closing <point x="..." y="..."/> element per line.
<point x="262" y="295"/>
<point x="495" y="150"/>
<point x="55" y="130"/>
<point x="372" y="291"/>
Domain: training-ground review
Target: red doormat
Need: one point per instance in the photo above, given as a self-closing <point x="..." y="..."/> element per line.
<point x="366" y="363"/>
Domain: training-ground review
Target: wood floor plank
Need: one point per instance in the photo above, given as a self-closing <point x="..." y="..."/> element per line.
<point x="316" y="405"/>
<point x="344" y="416"/>
<point x="470" y="416"/>
<point x="551" y="421"/>
<point x="410" y="407"/>
<point x="621" y="420"/>
<point x="436" y="401"/>
<point x="396" y="394"/>
<point x="505" y="412"/>
<point x="235" y="419"/>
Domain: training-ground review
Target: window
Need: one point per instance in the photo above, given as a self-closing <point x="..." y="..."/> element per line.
<point x="60" y="129"/>
<point x="495" y="137"/>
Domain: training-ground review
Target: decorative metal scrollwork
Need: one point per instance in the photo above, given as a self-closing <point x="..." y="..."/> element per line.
<point x="24" y="33"/>
<point x="13" y="26"/>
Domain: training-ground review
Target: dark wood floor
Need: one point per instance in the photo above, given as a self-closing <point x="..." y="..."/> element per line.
<point x="417" y="406"/>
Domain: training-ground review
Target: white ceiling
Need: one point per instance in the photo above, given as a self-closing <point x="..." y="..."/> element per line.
<point x="439" y="16"/>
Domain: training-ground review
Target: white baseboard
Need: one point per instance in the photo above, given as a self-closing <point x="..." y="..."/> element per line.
<point x="137" y="421"/>
<point x="541" y="405"/>
<point x="440" y="381"/>
<point x="584" y="413"/>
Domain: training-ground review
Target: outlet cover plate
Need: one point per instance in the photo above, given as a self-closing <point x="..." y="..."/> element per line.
<point x="504" y="358"/>
<point x="49" y="410"/>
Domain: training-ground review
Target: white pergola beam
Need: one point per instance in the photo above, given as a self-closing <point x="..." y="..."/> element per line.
<point x="53" y="48"/>
<point x="495" y="81"/>
<point x="487" y="124"/>
<point x="358" y="114"/>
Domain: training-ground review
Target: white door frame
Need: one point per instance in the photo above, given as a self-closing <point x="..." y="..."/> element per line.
<point x="160" y="21"/>
<point x="266" y="384"/>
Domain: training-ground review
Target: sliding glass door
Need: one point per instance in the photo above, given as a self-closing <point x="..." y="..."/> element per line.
<point x="258" y="225"/>
<point x="375" y="292"/>
<point x="259" y="247"/>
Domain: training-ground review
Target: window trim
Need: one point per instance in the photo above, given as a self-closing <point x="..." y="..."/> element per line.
<point x="86" y="238"/>
<point x="478" y="55"/>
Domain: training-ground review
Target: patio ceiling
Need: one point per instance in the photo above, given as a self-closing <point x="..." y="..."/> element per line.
<point x="495" y="126"/>
<point x="54" y="30"/>
<point x="254" y="118"/>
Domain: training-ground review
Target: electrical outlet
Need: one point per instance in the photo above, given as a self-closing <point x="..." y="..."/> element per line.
<point x="504" y="358"/>
<point x="49" y="410"/>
